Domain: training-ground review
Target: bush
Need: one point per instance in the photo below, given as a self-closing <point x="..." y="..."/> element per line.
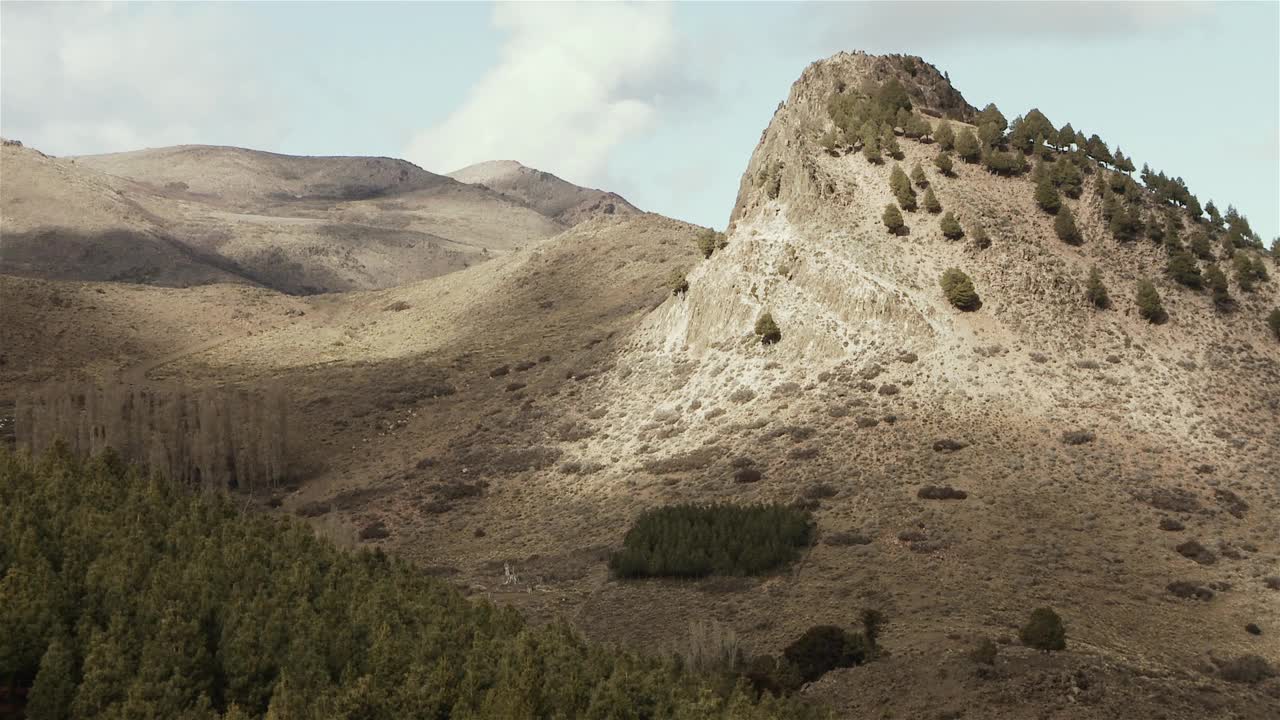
<point x="951" y="229"/>
<point x="944" y="164"/>
<point x="709" y="241"/>
<point x="959" y="290"/>
<point x="893" y="219"/>
<point x="1274" y="321"/>
<point x="985" y="653"/>
<point x="678" y="283"/>
<point x="931" y="202"/>
<point x="1065" y="226"/>
<point x="767" y="329"/>
<point x="980" y="239"/>
<point x="823" y="648"/>
<point x="698" y="540"/>
<point x="1096" y="292"/>
<point x="1249" y="669"/>
<point x="1044" y="631"/>
<point x="1149" y="305"/>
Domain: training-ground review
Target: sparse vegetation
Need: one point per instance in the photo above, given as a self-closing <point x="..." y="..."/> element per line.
<point x="699" y="540"/>
<point x="959" y="290"/>
<point x="1044" y="631"/>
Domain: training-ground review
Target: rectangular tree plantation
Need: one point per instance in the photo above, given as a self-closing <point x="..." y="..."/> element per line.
<point x="693" y="541"/>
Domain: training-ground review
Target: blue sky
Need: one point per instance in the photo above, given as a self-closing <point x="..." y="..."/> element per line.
<point x="662" y="103"/>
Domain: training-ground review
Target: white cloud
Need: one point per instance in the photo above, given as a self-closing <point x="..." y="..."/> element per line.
<point x="100" y="77"/>
<point x="573" y="82"/>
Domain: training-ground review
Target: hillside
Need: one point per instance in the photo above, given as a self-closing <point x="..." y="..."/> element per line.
<point x="557" y="199"/>
<point x="192" y="215"/>
<point x="502" y="425"/>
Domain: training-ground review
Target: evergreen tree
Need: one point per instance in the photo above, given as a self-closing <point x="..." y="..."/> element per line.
<point x="1149" y="305"/>
<point x="959" y="290"/>
<point x="1273" y="320"/>
<point x="943" y="163"/>
<point x="1193" y="208"/>
<point x="967" y="146"/>
<point x="767" y="329"/>
<point x="55" y="684"/>
<point x="1246" y="273"/>
<point x="931" y="202"/>
<point x="1047" y="195"/>
<point x="1065" y="226"/>
<point x="1044" y="631"/>
<point x="991" y="114"/>
<point x="990" y="135"/>
<point x="893" y="219"/>
<point x="891" y="146"/>
<point x="1066" y="136"/>
<point x="1216" y="281"/>
<point x="1098" y="150"/>
<point x="1183" y="269"/>
<point x="951" y="227"/>
<point x="1214" y="216"/>
<point x="871" y="150"/>
<point x="1126" y="223"/>
<point x="945" y="136"/>
<point x="918" y="177"/>
<point x="918" y="127"/>
<point x="901" y="187"/>
<point x="1201" y="246"/>
<point x="1096" y="292"/>
<point x="1067" y="177"/>
<point x="1123" y="164"/>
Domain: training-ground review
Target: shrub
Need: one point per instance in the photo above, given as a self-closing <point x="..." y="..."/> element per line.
<point x="1201" y="247"/>
<point x="944" y="164"/>
<point x="901" y="187"/>
<point x="709" y="241"/>
<point x="1044" y="631"/>
<point x="893" y="219"/>
<point x="1096" y="292"/>
<point x="1065" y="226"/>
<point x="1149" y="305"/>
<point x="931" y="202"/>
<point x="1247" y="669"/>
<point x="1183" y="269"/>
<point x="823" y="648"/>
<point x="871" y="150"/>
<point x="1005" y="163"/>
<point x="699" y="540"/>
<point x="918" y="177"/>
<point x="678" y="283"/>
<point x="985" y="653"/>
<point x="951" y="227"/>
<point x="944" y="492"/>
<point x="980" y="239"/>
<point x="959" y="290"/>
<point x="1274" y="321"/>
<point x="767" y="329"/>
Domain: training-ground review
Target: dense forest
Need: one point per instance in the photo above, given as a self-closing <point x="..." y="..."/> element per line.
<point x="128" y="596"/>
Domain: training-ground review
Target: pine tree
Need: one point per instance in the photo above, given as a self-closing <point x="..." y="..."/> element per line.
<point x="1273" y="320"/>
<point x="959" y="290"/>
<point x="1183" y="269"/>
<point x="951" y="227"/>
<point x="891" y="146"/>
<point x="991" y="114"/>
<point x="1201" y="246"/>
<point x="1246" y="274"/>
<point x="945" y="136"/>
<point x="1066" y="136"/>
<point x="990" y="135"/>
<point x="967" y="146"/>
<point x="901" y="187"/>
<point x="767" y="329"/>
<point x="1096" y="292"/>
<point x="893" y="219"/>
<point x="1149" y="305"/>
<point x="1123" y="164"/>
<point x="918" y="177"/>
<point x="1067" y="176"/>
<point x="1065" y="226"/>
<point x="55" y="684"/>
<point x="1047" y="195"/>
<point x="1216" y="281"/>
<point x="943" y="163"/>
<point x="871" y="150"/>
<point x="931" y="202"/>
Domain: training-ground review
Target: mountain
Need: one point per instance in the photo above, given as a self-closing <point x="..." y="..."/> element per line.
<point x="557" y="199"/>
<point x="191" y="215"/>
<point x="504" y="424"/>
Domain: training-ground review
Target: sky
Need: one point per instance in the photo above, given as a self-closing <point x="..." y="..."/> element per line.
<point x="662" y="103"/>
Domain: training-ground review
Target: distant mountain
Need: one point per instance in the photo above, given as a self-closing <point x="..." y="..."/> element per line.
<point x="192" y="215"/>
<point x="544" y="192"/>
